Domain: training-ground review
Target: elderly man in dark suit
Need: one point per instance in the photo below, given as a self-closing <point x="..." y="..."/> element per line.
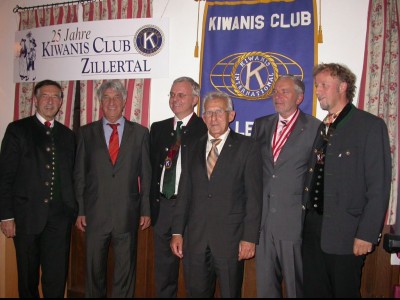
<point x="219" y="203"/>
<point x="346" y="189"/>
<point x="286" y="140"/>
<point x="112" y="157"/>
<point x="37" y="203"/>
<point x="166" y="139"/>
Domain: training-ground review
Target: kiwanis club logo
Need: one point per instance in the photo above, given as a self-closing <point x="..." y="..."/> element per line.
<point x="149" y="40"/>
<point x="252" y="75"/>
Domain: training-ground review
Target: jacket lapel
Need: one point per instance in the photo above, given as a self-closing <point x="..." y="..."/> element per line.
<point x="224" y="156"/>
<point x="123" y="148"/>
<point x="293" y="137"/>
<point x="99" y="132"/>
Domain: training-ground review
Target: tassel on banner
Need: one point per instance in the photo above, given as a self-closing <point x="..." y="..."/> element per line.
<point x="320" y="36"/>
<point x="196" y="48"/>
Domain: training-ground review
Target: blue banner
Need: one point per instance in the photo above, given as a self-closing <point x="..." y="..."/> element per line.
<point x="247" y="45"/>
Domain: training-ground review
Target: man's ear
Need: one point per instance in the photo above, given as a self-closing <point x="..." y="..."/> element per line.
<point x="232" y="115"/>
<point x="342" y="87"/>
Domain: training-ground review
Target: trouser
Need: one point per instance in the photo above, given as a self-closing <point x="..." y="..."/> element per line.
<point x="166" y="264"/>
<point x="124" y="254"/>
<point x="327" y="275"/>
<point x="48" y="251"/>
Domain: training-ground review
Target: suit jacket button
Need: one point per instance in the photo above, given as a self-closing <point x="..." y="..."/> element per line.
<point x="310" y="170"/>
<point x="303" y="207"/>
<point x="209" y="196"/>
<point x="46" y="200"/>
<point x="306" y="189"/>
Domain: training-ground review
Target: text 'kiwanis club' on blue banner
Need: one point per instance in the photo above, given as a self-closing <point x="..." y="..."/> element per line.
<point x="247" y="45"/>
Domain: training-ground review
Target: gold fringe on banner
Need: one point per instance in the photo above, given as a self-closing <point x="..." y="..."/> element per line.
<point x="320" y="37"/>
<point x="196" y="48"/>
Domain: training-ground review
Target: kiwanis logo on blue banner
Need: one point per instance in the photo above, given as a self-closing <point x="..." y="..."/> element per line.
<point x="251" y="75"/>
<point x="247" y="45"/>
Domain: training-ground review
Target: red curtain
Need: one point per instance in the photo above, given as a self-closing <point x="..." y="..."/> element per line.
<point x="379" y="90"/>
<point x="23" y="105"/>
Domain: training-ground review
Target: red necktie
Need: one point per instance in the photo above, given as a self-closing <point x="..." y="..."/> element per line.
<point x="47" y="123"/>
<point x="113" y="146"/>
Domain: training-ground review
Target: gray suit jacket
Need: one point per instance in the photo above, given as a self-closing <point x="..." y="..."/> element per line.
<point x="226" y="209"/>
<point x="108" y="195"/>
<point x="357" y="181"/>
<point x="284" y="181"/>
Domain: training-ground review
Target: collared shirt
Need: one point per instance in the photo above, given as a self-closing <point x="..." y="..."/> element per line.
<point x="280" y="124"/>
<point x="223" y="138"/>
<point x="108" y="129"/>
<point x="178" y="169"/>
<point x="42" y="120"/>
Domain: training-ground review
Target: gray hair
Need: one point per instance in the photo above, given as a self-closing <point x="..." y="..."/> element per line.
<point x="115" y="85"/>
<point x="218" y="95"/>
<point x="298" y="83"/>
<point x="194" y="84"/>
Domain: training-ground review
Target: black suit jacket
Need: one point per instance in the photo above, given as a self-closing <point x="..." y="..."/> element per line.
<point x="161" y="139"/>
<point x="357" y="180"/>
<point x="25" y="173"/>
<point x="221" y="211"/>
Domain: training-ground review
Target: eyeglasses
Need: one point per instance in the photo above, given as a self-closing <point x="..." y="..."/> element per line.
<point x="115" y="98"/>
<point x="48" y="97"/>
<point x="218" y="113"/>
<point x="179" y="96"/>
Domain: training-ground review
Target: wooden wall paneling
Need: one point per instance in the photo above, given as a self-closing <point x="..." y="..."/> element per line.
<point x="9" y="270"/>
<point x="379" y="277"/>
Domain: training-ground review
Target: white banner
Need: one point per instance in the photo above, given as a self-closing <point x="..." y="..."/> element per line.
<point x="108" y="49"/>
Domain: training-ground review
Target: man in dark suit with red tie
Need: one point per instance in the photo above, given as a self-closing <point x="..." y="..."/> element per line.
<point x="218" y="210"/>
<point x="112" y="155"/>
<point x="166" y="140"/>
<point x="37" y="204"/>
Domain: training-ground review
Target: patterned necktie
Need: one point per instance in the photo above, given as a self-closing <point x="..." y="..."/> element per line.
<point x="330" y="118"/>
<point x="212" y="156"/>
<point x="283" y="125"/>
<point x="169" y="182"/>
<point x="113" y="146"/>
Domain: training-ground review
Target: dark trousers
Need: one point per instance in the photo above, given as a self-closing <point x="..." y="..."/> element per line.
<point x="205" y="268"/>
<point x="327" y="275"/>
<point x="48" y="251"/>
<point x="166" y="264"/>
<point x="124" y="253"/>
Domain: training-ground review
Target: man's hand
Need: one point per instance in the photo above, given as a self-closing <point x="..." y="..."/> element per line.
<point x="145" y="222"/>
<point x="8" y="228"/>
<point x="362" y="247"/>
<point x="247" y="250"/>
<point x="81" y="223"/>
<point x="176" y="245"/>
